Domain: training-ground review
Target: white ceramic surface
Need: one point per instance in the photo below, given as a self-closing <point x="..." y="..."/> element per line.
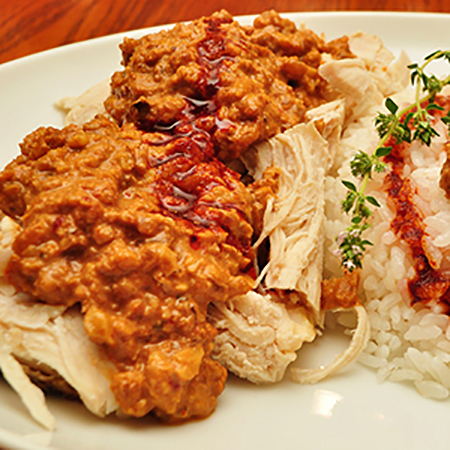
<point x="349" y="411"/>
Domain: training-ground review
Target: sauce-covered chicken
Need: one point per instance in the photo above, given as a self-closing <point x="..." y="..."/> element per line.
<point x="143" y="235"/>
<point x="134" y="216"/>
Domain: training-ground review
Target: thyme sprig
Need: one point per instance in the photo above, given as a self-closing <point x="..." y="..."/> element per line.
<point x="412" y="123"/>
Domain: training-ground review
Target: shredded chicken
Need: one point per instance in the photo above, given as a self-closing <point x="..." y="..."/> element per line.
<point x="359" y="341"/>
<point x="249" y="328"/>
<point x="32" y="397"/>
<point x="82" y="109"/>
<point x="51" y="337"/>
<point x="293" y="221"/>
<point x="365" y="80"/>
<point x="258" y="336"/>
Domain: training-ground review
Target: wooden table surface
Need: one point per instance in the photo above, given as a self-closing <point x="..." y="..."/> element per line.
<point x="30" y="26"/>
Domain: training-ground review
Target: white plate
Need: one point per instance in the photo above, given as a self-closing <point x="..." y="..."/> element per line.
<point x="348" y="411"/>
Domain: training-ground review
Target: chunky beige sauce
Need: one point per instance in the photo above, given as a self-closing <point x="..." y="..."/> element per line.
<point x="247" y="83"/>
<point x="144" y="238"/>
<point x="138" y="220"/>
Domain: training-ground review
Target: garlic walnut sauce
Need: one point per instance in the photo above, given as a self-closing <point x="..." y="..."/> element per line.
<point x="135" y="219"/>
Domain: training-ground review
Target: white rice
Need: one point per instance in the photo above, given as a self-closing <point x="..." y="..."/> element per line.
<point x="407" y="344"/>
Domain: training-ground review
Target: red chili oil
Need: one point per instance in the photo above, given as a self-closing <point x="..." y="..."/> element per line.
<point x="428" y="284"/>
<point x="188" y="168"/>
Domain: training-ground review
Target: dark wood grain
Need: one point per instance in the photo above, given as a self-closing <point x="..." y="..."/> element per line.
<point x="30" y="26"/>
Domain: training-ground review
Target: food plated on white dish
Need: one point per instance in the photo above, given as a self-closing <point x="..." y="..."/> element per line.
<point x="313" y="396"/>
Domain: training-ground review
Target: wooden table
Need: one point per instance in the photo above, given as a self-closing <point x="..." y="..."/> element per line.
<point x="30" y="26"/>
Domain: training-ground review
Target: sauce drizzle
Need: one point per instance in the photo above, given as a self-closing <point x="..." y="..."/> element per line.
<point x="428" y="284"/>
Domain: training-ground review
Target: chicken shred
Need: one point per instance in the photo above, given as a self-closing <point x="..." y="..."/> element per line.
<point x="360" y="338"/>
<point x="293" y="221"/>
<point x="258" y="336"/>
<point x="248" y="341"/>
<point x="50" y="337"/>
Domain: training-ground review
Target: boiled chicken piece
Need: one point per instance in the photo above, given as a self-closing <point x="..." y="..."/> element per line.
<point x="259" y="334"/>
<point x="293" y="220"/>
<point x="366" y="80"/>
<point x="52" y="342"/>
<point x="390" y="75"/>
<point x="82" y="109"/>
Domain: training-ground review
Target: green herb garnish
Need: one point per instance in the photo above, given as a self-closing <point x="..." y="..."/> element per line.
<point x="412" y="123"/>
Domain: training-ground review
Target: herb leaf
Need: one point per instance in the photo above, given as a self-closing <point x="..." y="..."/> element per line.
<point x="406" y="125"/>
